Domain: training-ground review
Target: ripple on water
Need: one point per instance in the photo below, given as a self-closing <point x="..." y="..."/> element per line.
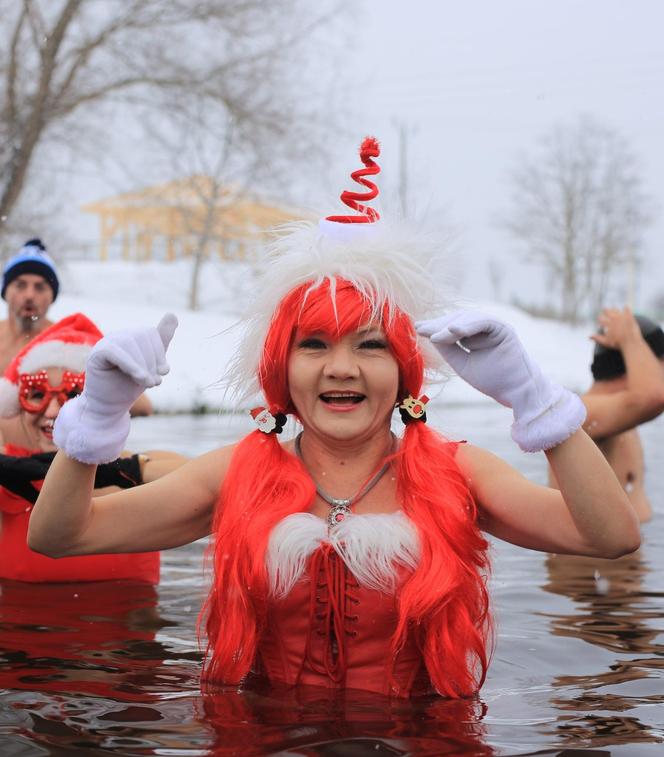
<point x="113" y="668"/>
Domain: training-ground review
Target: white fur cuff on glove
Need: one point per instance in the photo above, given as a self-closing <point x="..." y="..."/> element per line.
<point x="554" y="425"/>
<point x="84" y="436"/>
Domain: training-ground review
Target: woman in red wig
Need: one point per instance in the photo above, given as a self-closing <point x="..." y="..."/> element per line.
<point x="346" y="557"/>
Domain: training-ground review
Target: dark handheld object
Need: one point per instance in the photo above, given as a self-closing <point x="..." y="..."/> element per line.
<point x="17" y="474"/>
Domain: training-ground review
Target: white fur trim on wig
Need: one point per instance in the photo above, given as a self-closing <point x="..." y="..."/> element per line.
<point x="55" y="354"/>
<point x="390" y="263"/>
<point x="372" y="546"/>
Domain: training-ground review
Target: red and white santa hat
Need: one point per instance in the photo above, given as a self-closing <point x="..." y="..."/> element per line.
<point x="66" y="344"/>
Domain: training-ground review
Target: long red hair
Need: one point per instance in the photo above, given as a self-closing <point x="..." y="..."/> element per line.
<point x="444" y="602"/>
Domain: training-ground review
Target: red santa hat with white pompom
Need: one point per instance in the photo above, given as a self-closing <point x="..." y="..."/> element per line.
<point x="66" y="344"/>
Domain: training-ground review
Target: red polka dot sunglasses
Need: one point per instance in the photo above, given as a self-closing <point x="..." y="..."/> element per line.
<point x="35" y="392"/>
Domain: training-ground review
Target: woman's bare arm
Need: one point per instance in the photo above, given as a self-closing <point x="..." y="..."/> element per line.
<point x="590" y="515"/>
<point x="173" y="510"/>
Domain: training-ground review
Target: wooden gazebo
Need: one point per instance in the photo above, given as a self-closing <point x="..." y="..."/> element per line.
<point x="176" y="219"/>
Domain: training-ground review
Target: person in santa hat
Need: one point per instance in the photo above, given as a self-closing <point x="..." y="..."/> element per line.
<point x="346" y="557"/>
<point x="42" y="377"/>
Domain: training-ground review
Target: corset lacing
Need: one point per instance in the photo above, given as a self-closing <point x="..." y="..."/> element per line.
<point x="332" y="608"/>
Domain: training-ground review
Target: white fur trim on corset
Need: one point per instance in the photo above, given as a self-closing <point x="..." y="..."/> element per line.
<point x="9" y="406"/>
<point x="55" y="354"/>
<point x="372" y="546"/>
<point x="291" y="542"/>
<point x="392" y="264"/>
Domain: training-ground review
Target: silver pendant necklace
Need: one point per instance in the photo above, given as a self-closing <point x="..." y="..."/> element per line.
<point x="339" y="507"/>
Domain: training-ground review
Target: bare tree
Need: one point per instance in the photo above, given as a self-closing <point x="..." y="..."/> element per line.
<point x="60" y="60"/>
<point x="579" y="211"/>
<point x="219" y="178"/>
<point x="218" y="197"/>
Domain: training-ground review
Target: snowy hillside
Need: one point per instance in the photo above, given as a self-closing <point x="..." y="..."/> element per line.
<point x="120" y="295"/>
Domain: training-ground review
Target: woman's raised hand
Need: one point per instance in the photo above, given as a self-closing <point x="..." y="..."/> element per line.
<point x="486" y="353"/>
<point x="93" y="427"/>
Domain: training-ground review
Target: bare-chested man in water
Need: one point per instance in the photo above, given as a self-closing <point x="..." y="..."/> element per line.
<point x="627" y="390"/>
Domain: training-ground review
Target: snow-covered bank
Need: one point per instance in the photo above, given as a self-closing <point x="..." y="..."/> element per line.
<point x="121" y="295"/>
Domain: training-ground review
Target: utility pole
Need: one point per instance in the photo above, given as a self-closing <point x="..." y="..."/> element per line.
<point x="403" y="168"/>
<point x="403" y="135"/>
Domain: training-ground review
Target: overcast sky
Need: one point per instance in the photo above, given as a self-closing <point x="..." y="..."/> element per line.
<point x="477" y="82"/>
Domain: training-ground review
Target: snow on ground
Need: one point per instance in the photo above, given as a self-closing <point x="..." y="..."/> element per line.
<point x="122" y="295"/>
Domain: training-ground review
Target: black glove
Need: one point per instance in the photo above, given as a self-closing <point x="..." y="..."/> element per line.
<point x="124" y="472"/>
<point x="17" y="473"/>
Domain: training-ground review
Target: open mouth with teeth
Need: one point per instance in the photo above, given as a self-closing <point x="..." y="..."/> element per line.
<point x="342" y="398"/>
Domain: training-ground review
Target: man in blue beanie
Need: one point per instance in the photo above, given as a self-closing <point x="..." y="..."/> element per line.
<point x="29" y="286"/>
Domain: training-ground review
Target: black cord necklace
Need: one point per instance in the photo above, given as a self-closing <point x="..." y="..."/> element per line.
<point x="339" y="507"/>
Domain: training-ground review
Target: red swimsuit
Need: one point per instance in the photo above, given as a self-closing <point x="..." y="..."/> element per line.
<point x="19" y="563"/>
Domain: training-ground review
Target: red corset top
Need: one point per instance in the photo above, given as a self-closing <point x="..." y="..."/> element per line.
<point x="333" y="610"/>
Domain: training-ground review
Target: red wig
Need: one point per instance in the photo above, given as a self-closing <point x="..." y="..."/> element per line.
<point x="444" y="602"/>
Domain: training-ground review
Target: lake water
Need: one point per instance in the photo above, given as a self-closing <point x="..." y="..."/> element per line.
<point x="101" y="669"/>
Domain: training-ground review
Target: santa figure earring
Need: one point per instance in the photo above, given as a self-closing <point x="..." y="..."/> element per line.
<point x="412" y="409"/>
<point x="266" y="422"/>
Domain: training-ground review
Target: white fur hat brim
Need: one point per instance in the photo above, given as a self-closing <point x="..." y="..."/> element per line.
<point x="9" y="406"/>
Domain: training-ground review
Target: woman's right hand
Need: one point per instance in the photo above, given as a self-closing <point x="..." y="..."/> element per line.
<point x="93" y="427"/>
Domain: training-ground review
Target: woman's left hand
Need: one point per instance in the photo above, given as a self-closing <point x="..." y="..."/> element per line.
<point x="486" y="353"/>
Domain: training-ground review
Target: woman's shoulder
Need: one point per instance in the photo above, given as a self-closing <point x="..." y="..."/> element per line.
<point x="217" y="460"/>
<point x="472" y="459"/>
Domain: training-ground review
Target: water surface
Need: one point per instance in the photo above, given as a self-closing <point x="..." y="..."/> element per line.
<point x="101" y="669"/>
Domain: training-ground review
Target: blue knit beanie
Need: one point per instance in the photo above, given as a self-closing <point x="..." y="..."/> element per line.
<point x="31" y="259"/>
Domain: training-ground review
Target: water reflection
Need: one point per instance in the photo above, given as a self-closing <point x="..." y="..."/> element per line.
<point x="313" y="721"/>
<point x="612" y="610"/>
<point x="579" y="670"/>
<point x="91" y="638"/>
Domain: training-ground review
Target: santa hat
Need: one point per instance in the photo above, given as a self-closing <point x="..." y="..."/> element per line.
<point x="65" y="344"/>
<point x="388" y="261"/>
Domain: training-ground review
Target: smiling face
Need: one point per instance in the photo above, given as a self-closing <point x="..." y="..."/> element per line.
<point x="343" y="387"/>
<point x="44" y="399"/>
<point x="337" y="361"/>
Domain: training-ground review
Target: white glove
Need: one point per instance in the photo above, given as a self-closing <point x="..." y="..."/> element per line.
<point x="487" y="354"/>
<point x="93" y="427"/>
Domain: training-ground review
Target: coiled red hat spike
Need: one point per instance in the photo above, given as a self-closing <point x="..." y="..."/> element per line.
<point x="369" y="149"/>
